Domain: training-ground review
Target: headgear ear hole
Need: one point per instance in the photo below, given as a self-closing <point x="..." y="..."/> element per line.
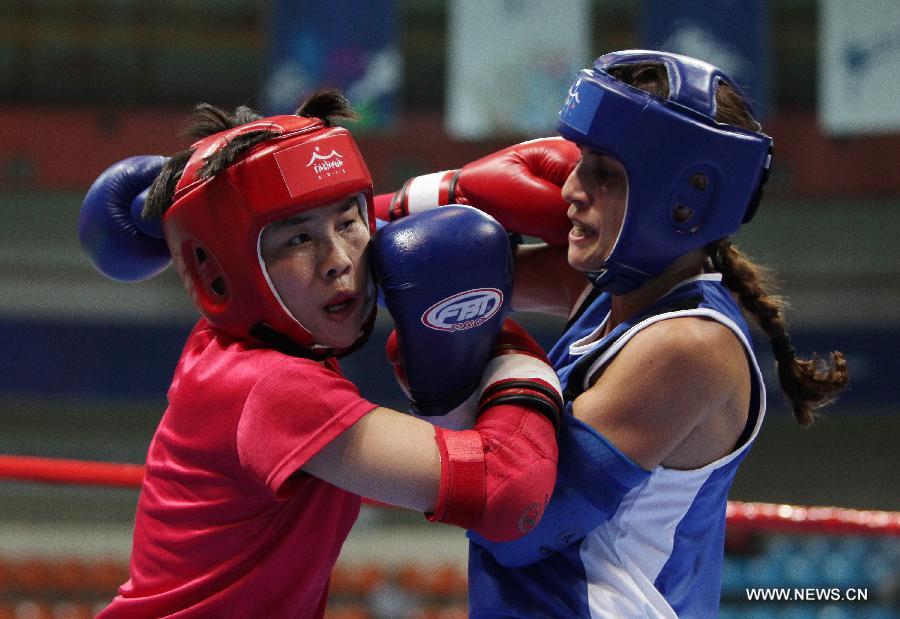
<point x="698" y="181"/>
<point x="218" y="286"/>
<point x="681" y="214"/>
<point x="207" y="273"/>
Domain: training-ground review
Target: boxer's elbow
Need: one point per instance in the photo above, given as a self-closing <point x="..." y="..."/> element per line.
<point x="521" y="457"/>
<point x="517" y="504"/>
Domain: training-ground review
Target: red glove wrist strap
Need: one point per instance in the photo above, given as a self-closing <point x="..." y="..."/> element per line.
<point x="422" y="193"/>
<point x="463" y="493"/>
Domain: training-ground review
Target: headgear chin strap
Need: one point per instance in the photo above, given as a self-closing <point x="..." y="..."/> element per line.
<point x="214" y="224"/>
<point x="691" y="180"/>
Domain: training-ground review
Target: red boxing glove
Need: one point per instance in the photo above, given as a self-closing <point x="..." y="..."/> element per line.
<point x="519" y="186"/>
<point x="497" y="478"/>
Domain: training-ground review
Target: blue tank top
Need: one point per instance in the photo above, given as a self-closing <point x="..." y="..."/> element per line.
<point x="660" y="554"/>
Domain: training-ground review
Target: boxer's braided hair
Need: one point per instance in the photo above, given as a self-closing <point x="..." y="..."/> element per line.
<point x="327" y="105"/>
<point x="807" y="384"/>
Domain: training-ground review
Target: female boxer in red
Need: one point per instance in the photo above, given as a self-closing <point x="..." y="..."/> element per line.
<point x="255" y="472"/>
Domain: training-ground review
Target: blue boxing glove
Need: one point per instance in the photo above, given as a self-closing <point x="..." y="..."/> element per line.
<point x="117" y="240"/>
<point x="446" y="278"/>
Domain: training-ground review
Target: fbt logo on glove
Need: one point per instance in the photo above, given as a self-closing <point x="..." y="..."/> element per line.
<point x="465" y="310"/>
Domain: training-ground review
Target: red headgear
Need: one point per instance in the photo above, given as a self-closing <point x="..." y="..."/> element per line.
<point x="214" y="225"/>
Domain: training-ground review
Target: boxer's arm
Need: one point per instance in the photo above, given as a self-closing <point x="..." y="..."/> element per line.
<point x="520" y="186"/>
<point x="593" y="478"/>
<point x="495" y="478"/>
<point x="644" y="411"/>
<point x="388" y="456"/>
<point x="544" y="281"/>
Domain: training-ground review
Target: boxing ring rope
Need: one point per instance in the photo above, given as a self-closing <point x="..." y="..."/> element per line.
<point x="739" y="515"/>
<point x="78" y="472"/>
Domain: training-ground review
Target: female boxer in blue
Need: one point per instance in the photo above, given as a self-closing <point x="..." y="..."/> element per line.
<point x="254" y="475"/>
<point x="662" y="162"/>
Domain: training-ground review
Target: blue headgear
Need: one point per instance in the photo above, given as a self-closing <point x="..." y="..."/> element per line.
<point x="691" y="180"/>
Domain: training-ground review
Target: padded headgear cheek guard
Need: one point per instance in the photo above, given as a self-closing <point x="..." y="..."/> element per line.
<point x="691" y="180"/>
<point x="214" y="225"/>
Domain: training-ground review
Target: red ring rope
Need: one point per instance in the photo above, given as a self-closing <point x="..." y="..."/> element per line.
<point x="59" y="471"/>
<point x="798" y="519"/>
<point x="757" y="516"/>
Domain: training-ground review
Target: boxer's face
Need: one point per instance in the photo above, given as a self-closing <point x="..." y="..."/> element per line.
<point x="317" y="261"/>
<point x="597" y="191"/>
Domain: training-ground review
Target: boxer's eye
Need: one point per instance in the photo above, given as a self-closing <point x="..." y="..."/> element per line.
<point x="299" y="239"/>
<point x="603" y="174"/>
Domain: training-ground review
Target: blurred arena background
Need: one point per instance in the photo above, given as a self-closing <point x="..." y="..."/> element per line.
<point x="86" y="362"/>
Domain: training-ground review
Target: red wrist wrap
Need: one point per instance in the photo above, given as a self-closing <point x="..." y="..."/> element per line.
<point x="463" y="493"/>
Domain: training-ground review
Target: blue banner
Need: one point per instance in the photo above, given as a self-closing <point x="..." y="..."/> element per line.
<point x="79" y="359"/>
<point x="350" y="45"/>
<point x="731" y="34"/>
